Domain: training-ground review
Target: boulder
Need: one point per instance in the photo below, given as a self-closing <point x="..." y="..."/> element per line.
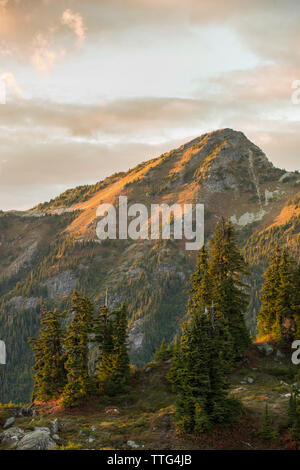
<point x="46" y="430"/>
<point x="133" y="444"/>
<point x="36" y="440"/>
<point x="266" y="348"/>
<point x="55" y="426"/>
<point x="12" y="436"/>
<point x="25" y="412"/>
<point x="279" y="354"/>
<point x="9" y="422"/>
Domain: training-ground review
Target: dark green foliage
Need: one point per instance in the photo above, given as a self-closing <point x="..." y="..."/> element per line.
<point x="198" y="376"/>
<point x="214" y="336"/>
<point x="267" y="315"/>
<point x="163" y="353"/>
<point x="279" y="314"/>
<point x="113" y="371"/>
<point x="77" y="353"/>
<point x="294" y="416"/>
<point x="50" y="376"/>
<point x="226" y="271"/>
<point x="266" y="431"/>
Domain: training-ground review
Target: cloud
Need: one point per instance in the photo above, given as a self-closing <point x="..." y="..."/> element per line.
<point x="75" y="22"/>
<point x="11" y="84"/>
<point x="44" y="55"/>
<point x="35" y="171"/>
<point x="48" y="146"/>
<point x="35" y="31"/>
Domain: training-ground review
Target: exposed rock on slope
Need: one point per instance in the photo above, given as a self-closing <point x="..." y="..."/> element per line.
<point x="222" y="169"/>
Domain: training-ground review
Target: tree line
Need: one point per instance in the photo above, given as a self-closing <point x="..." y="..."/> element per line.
<point x="61" y="353"/>
<point x="213" y="339"/>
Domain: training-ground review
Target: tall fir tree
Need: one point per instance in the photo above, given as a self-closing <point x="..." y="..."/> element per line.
<point x="283" y="328"/>
<point x="113" y="371"/>
<point x="162" y="354"/>
<point x="296" y="301"/>
<point x="76" y="347"/>
<point x="201" y="283"/>
<point x="198" y="374"/>
<point x="227" y="271"/>
<point x="279" y="316"/>
<point x="267" y="314"/>
<point x="266" y="431"/>
<point x="50" y="376"/>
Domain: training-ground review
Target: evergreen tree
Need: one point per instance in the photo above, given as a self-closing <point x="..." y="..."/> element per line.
<point x="296" y="301"/>
<point x="163" y="353"/>
<point x="104" y="337"/>
<point x="283" y="325"/>
<point x="226" y="271"/>
<point x="294" y="415"/>
<point x="197" y="374"/>
<point x="113" y="371"/>
<point x="77" y="353"/>
<point x="292" y="408"/>
<point x="213" y="337"/>
<point x="50" y="376"/>
<point x="279" y="314"/>
<point x="266" y="431"/>
<point x="295" y="428"/>
<point x="201" y="283"/>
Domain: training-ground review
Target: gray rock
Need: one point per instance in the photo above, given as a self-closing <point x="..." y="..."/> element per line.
<point x="136" y="335"/>
<point x="250" y="380"/>
<point x="36" y="440"/>
<point x="266" y="348"/>
<point x="25" y="412"/>
<point x="60" y="285"/>
<point x="279" y="354"/>
<point x="133" y="444"/>
<point x="46" y="430"/>
<point x="55" y="426"/>
<point x="55" y="437"/>
<point x="283" y="383"/>
<point x="12" y="436"/>
<point x="9" y="422"/>
<point x="25" y="303"/>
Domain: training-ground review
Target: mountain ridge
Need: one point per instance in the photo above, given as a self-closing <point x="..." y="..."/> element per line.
<point x="47" y="252"/>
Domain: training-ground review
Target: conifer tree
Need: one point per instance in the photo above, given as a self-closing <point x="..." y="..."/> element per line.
<point x="201" y="283"/>
<point x="292" y="408"/>
<point x="266" y="431"/>
<point x="113" y="371"/>
<point x="296" y="301"/>
<point x="282" y="328"/>
<point x="213" y="337"/>
<point x="50" y="376"/>
<point x="163" y="353"/>
<point x="279" y="313"/>
<point x="226" y="271"/>
<point x="77" y="353"/>
<point x="121" y="373"/>
<point x="104" y="337"/>
<point x="198" y="375"/>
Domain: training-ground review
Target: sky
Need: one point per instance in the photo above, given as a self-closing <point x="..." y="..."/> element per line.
<point x="88" y="88"/>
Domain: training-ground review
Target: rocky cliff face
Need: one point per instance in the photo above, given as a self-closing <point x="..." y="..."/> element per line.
<point x="47" y="252"/>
